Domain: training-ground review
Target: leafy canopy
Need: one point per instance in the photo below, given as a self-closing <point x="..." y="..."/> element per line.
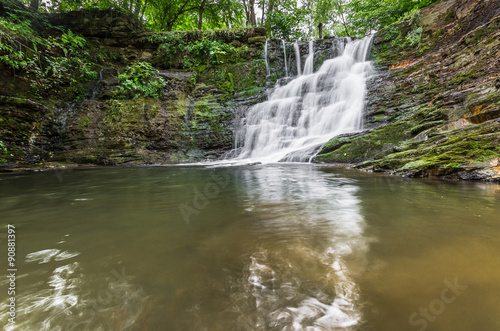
<point x="287" y="19"/>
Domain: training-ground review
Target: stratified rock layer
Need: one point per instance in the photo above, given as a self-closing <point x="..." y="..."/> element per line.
<point x="434" y="107"/>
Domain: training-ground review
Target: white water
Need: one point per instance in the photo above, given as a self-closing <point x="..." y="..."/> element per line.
<point x="301" y="116"/>
<point x="284" y="57"/>
<point x="297" y="57"/>
<point x="309" y="65"/>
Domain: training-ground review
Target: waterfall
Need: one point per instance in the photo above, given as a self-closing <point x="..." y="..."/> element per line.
<point x="301" y="116"/>
<point x="268" y="70"/>
<point x="97" y="86"/>
<point x="309" y="65"/>
<point x="340" y="44"/>
<point x="297" y="57"/>
<point x="284" y="57"/>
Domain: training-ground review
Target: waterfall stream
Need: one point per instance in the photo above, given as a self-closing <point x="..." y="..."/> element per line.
<point x="309" y="65"/>
<point x="268" y="70"/>
<point x="284" y="57"/>
<point x="299" y="117"/>
<point x="297" y="57"/>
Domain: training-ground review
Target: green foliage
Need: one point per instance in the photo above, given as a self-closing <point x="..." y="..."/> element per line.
<point x="140" y="79"/>
<point x="192" y="50"/>
<point x="362" y="17"/>
<point x="291" y="19"/>
<point x="73" y="41"/>
<point x="282" y="22"/>
<point x="413" y="37"/>
<point x="213" y="50"/>
<point x="3" y="152"/>
<point x="48" y="61"/>
<point x="184" y="14"/>
<point x="171" y="43"/>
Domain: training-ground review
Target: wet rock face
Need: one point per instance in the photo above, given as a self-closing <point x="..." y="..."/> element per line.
<point x="191" y="121"/>
<point x="434" y="107"/>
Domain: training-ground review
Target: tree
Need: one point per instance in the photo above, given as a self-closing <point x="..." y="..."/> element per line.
<point x="284" y="20"/>
<point x="34" y="4"/>
<point x="249" y="7"/>
<point x="288" y="19"/>
<point x="223" y="13"/>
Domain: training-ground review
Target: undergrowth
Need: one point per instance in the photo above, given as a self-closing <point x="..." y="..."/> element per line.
<point x="139" y="79"/>
<point x="49" y="62"/>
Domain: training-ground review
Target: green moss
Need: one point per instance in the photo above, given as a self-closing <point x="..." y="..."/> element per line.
<point x="366" y="147"/>
<point x="448" y="152"/>
<point x="462" y="77"/>
<point x="209" y="114"/>
<point x="424" y="126"/>
<point x="250" y="92"/>
<point x="84" y="121"/>
<point x="379" y="118"/>
<point x="257" y="40"/>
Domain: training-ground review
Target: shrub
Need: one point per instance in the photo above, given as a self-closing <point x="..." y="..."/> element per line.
<point x="140" y="79"/>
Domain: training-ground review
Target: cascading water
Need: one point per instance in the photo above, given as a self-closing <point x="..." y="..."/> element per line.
<point x="309" y="65"/>
<point x="297" y="57"/>
<point x="268" y="70"/>
<point x="284" y="57"/>
<point x="301" y="116"/>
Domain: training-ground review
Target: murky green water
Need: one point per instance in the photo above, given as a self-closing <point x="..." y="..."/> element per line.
<point x="288" y="247"/>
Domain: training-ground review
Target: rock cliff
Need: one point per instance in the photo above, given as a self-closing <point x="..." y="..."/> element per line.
<point x="434" y="105"/>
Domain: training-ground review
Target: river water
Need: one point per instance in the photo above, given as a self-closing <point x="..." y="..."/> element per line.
<point x="265" y="247"/>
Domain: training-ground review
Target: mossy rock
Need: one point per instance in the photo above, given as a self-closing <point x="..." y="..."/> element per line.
<point x="257" y="40"/>
<point x="365" y="147"/>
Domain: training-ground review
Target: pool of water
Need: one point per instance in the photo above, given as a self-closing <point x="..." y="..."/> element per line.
<point x="265" y="247"/>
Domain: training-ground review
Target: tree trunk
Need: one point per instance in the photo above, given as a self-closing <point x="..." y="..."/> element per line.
<point x="270" y="9"/>
<point x="137" y="8"/>
<point x="252" y="13"/>
<point x="200" y="16"/>
<point x="320" y="30"/>
<point x="144" y="8"/>
<point x="247" y="14"/>
<point x="34" y="4"/>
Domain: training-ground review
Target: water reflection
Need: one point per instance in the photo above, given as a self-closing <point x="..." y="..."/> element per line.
<point x="310" y="237"/>
<point x="68" y="298"/>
